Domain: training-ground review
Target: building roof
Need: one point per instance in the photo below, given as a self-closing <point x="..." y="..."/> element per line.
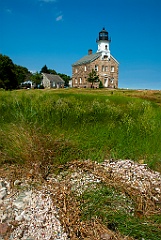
<point x="114" y="59"/>
<point x="90" y="58"/>
<point x="87" y="59"/>
<point x="53" y="78"/>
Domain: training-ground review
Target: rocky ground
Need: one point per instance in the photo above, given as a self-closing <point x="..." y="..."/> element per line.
<point x="35" y="208"/>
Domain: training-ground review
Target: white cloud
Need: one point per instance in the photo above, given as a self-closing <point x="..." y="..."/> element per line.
<point x="8" y="11"/>
<point x="59" y="18"/>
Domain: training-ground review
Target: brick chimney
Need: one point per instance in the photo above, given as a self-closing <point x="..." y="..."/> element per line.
<point x="89" y="51"/>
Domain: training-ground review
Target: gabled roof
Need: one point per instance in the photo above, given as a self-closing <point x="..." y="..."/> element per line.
<point x="53" y="78"/>
<point x="90" y="58"/>
<point x="87" y="59"/>
<point x="115" y="59"/>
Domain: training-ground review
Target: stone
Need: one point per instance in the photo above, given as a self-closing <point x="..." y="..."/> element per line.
<point x="3" y="192"/>
<point x="4" y="228"/>
<point x="17" y="182"/>
<point x="106" y="236"/>
<point x="19" y="204"/>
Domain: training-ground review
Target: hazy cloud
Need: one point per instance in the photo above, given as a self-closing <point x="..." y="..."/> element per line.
<point x="8" y="10"/>
<point x="59" y="18"/>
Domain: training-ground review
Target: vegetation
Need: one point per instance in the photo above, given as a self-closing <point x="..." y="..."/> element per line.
<point x="22" y="74"/>
<point x="36" y="78"/>
<point x="116" y="211"/>
<point x="65" y="77"/>
<point x="96" y="125"/>
<point x="93" y="77"/>
<point x="51" y="128"/>
<point x="13" y="76"/>
<point x="7" y="73"/>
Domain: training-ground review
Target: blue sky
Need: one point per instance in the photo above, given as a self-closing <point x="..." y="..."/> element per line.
<point x="59" y="32"/>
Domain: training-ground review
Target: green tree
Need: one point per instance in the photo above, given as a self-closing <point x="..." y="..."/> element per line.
<point x="52" y="71"/>
<point x="44" y="69"/>
<point x="36" y="79"/>
<point x="8" y="78"/>
<point x="101" y="85"/>
<point x="66" y="78"/>
<point x="22" y="74"/>
<point x="93" y="77"/>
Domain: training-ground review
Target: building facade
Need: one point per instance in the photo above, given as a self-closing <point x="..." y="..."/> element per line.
<point x="106" y="66"/>
<point x="52" y="81"/>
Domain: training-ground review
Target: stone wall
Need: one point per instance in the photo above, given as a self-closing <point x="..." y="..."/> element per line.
<point x="45" y="82"/>
<point x="106" y="69"/>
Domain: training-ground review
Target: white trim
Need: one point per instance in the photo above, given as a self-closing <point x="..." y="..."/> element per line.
<point x="114" y="59"/>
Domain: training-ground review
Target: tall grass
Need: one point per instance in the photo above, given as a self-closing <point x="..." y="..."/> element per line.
<point x="117" y="212"/>
<point x="73" y="125"/>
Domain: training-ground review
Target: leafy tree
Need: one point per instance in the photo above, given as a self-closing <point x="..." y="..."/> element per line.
<point x="22" y="74"/>
<point x="93" y="77"/>
<point x="45" y="69"/>
<point x="8" y="78"/>
<point x="66" y="78"/>
<point x="36" y="79"/>
<point x="52" y="71"/>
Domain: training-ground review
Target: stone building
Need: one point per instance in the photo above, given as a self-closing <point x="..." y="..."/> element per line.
<point x="52" y="81"/>
<point x="106" y="66"/>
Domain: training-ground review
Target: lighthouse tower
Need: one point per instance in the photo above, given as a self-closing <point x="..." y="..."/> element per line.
<point x="104" y="44"/>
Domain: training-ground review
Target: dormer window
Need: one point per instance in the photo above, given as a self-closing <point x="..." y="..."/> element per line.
<point x="105" y="47"/>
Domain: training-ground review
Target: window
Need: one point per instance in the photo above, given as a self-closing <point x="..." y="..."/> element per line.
<point x="96" y="68"/>
<point x="106" y="69"/>
<point x="112" y="68"/>
<point x="85" y="68"/>
<point x="103" y="68"/>
<point x="76" y="81"/>
<point x="80" y="80"/>
<point x="105" y="47"/>
<point x="76" y="70"/>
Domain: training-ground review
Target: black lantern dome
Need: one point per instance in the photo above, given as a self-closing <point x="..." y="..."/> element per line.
<point x="103" y="35"/>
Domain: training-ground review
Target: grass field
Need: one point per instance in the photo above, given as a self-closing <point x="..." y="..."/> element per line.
<point x="53" y="127"/>
<point x="80" y="124"/>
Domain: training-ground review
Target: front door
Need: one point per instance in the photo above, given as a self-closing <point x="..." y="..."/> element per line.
<point x="106" y="82"/>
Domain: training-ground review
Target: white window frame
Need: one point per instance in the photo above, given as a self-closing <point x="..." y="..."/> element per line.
<point x="80" y="80"/>
<point x="85" y="68"/>
<point x="112" y="68"/>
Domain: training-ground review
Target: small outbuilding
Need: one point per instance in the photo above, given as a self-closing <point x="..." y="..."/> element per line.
<point x="52" y="81"/>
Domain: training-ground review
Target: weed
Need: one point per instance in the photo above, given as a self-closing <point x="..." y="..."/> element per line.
<point x="98" y="125"/>
<point x="116" y="211"/>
